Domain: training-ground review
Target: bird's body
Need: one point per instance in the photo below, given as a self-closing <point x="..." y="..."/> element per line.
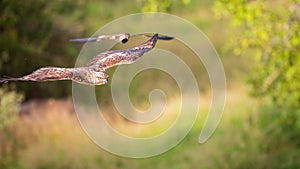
<point x="94" y="73"/>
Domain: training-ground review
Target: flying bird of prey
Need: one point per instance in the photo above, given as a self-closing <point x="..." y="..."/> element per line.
<point x="94" y="73"/>
<point x="123" y="38"/>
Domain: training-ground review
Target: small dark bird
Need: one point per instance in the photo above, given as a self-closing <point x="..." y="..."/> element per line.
<point x="123" y="38"/>
<point x="94" y="73"/>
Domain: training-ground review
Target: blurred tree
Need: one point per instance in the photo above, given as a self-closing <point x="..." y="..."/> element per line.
<point x="161" y="5"/>
<point x="35" y="34"/>
<point x="10" y="145"/>
<point x="32" y="36"/>
<point x="269" y="33"/>
<point x="9" y="107"/>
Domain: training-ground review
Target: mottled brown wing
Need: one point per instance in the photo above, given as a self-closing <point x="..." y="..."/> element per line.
<point x="112" y="58"/>
<point x="44" y="74"/>
<point x="108" y="59"/>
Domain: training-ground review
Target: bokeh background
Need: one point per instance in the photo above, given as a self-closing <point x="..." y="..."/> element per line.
<point x="258" y="42"/>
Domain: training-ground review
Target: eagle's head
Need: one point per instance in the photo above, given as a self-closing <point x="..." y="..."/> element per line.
<point x="100" y="78"/>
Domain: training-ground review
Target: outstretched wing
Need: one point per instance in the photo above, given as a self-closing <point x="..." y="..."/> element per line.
<point x="112" y="58"/>
<point x="116" y="37"/>
<point x="123" y="38"/>
<point x="83" y="75"/>
<point x="159" y="37"/>
<point x="44" y="74"/>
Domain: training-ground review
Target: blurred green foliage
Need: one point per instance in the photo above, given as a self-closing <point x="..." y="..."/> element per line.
<point x="33" y="35"/>
<point x="268" y="32"/>
<point x="161" y="5"/>
<point x="9" y="109"/>
<point x="36" y="33"/>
